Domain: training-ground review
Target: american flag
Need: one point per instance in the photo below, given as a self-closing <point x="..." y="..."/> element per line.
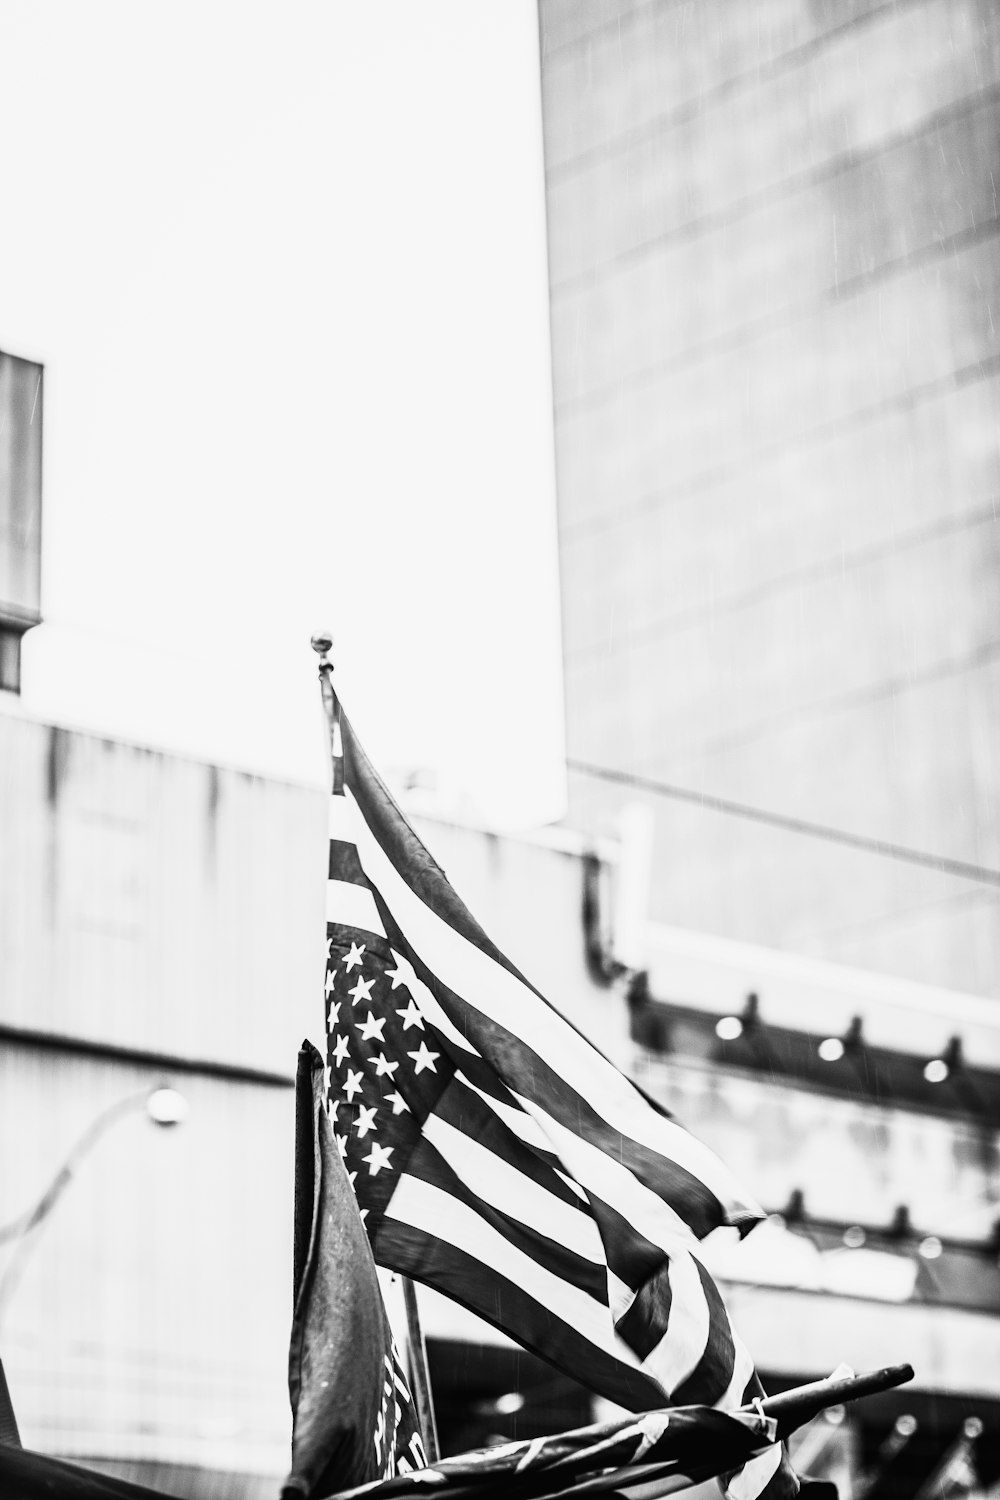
<point x="496" y="1155"/>
<point x="657" y="1453"/>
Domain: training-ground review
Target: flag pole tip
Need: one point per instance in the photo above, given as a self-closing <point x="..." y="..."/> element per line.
<point x="322" y="642"/>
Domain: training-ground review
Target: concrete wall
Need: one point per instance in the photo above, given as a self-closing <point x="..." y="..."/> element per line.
<point x="776" y="363"/>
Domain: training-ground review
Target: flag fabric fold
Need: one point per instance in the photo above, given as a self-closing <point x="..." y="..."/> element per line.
<point x="496" y="1154"/>
<point x="674" y="1449"/>
<point x="353" y="1418"/>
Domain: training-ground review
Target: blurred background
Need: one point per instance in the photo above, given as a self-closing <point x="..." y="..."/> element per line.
<point x="619" y="383"/>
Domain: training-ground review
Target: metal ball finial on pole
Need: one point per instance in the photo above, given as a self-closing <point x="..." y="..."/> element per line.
<point x="322" y="644"/>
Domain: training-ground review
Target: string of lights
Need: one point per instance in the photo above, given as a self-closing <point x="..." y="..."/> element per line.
<point x="963" y="869"/>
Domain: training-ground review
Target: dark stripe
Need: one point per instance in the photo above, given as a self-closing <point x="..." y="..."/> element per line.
<point x="345" y="864"/>
<point x="633" y="1258"/>
<point x="428" y="1165"/>
<point x="513" y="1064"/>
<point x="645" y="1323"/>
<point x="463" y="1109"/>
<point x="413" y="861"/>
<point x="487" y="1292"/>
<point x="709" y="1381"/>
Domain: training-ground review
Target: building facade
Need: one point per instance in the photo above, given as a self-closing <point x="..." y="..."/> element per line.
<point x="773" y="277"/>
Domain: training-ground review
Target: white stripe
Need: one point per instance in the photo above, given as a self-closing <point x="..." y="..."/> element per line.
<point x="678" y="1352"/>
<point x="354" y="905"/>
<point x="343" y="819"/>
<point x="428" y="1006"/>
<point x="748" y="1482"/>
<point x="742" y="1371"/>
<point x="614" y="1184"/>
<point x="524" y="1127"/>
<point x="513" y="1194"/>
<point x="437" y="1214"/>
<point x="506" y="1001"/>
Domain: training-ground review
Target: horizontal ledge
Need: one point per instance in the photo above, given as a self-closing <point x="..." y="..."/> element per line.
<point x="167" y="1062"/>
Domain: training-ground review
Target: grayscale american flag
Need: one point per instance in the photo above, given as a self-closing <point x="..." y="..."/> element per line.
<point x="496" y="1155"/>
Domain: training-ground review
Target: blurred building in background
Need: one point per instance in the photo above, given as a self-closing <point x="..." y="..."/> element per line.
<point x="20" y="509"/>
<point x="773" y="241"/>
<point x="773" y="277"/>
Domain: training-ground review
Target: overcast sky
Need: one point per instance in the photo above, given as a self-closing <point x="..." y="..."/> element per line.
<point x="285" y="267"/>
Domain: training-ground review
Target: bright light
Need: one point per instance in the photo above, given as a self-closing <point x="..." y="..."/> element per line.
<point x="831" y="1049"/>
<point x="854" y="1237"/>
<point x="165" y="1106"/>
<point x="509" y="1403"/>
<point x="937" y="1070"/>
<point x="931" y="1247"/>
<point x="728" y="1028"/>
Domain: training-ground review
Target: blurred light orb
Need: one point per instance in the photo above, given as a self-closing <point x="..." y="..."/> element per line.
<point x="937" y="1070"/>
<point x="931" y="1247"/>
<point x="854" y="1237"/>
<point x="166" y="1106"/>
<point x="831" y="1049"/>
<point x="728" y="1028"/>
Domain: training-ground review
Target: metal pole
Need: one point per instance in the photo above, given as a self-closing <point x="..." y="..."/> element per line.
<point x="793" y="1408"/>
<point x="420" y="1372"/>
<point x="322" y="643"/>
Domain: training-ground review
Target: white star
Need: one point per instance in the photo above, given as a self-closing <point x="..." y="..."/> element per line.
<point x="341" y="1143"/>
<point x="331" y="975"/>
<point x="398" y="974"/>
<point x="398" y="1103"/>
<point x="423" y="1058"/>
<point x="378" y="1157"/>
<point x="355" y="956"/>
<point x="383" y="1066"/>
<point x="364" y="1211"/>
<point x="362" y="990"/>
<point x="329" y="948"/>
<point x="334" y="1015"/>
<point x="372" y="1028"/>
<point x="341" y="1051"/>
<point x="366" y="1119"/>
<point x="353" y="1085"/>
<point x="411" y="1016"/>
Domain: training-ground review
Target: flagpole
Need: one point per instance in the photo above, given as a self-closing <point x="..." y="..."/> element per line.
<point x="791" y="1409"/>
<point x="322" y="644"/>
<point x="420" y="1372"/>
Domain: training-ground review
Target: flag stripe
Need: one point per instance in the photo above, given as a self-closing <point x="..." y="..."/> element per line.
<point x="703" y="1384"/>
<point x="428" y="1165"/>
<point x="697" y="1209"/>
<point x="424" y="1206"/>
<point x="352" y="906"/>
<point x="507" y="1299"/>
<point x="503" y="999"/>
<point x="468" y="1116"/>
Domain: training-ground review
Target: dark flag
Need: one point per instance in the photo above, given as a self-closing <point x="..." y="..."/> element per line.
<point x="352" y="1416"/>
<point x="662" y="1451"/>
<point x="497" y="1155"/>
